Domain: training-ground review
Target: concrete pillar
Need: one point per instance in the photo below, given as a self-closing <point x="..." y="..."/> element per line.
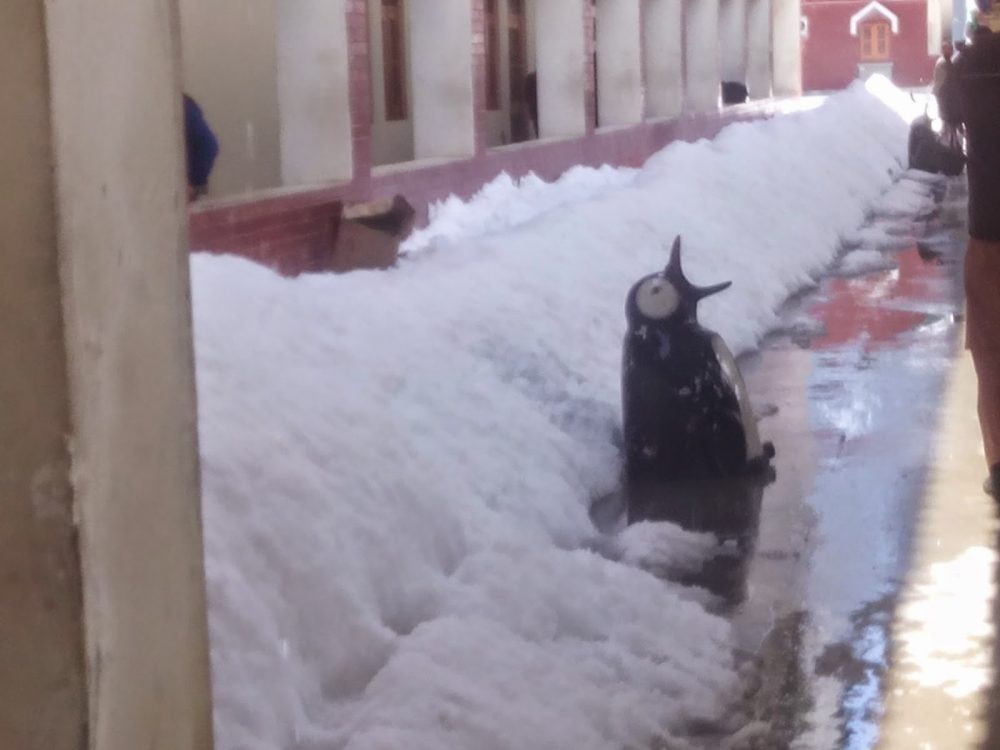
<point x="939" y="22"/>
<point x="443" y="97"/>
<point x="664" y="58"/>
<point x="786" y="46"/>
<point x="103" y="640"/>
<point x="619" y="62"/>
<point x="759" y="48"/>
<point x="313" y="91"/>
<point x="560" y="55"/>
<point x="702" y="71"/>
<point x="733" y="39"/>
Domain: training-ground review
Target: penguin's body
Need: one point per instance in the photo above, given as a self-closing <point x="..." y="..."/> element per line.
<point x="685" y="406"/>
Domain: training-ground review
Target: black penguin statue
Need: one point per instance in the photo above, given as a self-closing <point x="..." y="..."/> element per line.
<point x="686" y="410"/>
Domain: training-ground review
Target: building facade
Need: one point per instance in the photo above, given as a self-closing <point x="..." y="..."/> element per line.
<point x="318" y="101"/>
<point x="846" y="39"/>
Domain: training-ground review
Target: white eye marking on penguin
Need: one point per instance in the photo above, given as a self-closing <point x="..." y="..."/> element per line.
<point x="657" y="298"/>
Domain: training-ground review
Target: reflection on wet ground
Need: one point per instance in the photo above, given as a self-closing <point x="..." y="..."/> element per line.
<point x="855" y="424"/>
<point x="814" y="562"/>
<point x="857" y="420"/>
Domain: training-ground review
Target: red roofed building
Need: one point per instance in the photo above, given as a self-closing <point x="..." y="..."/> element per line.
<point x="846" y="39"/>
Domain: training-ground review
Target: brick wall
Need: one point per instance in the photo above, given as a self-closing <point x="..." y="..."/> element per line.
<point x="294" y="231"/>
<point x="292" y="234"/>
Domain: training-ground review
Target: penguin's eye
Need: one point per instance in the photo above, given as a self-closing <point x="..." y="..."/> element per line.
<point x="657" y="299"/>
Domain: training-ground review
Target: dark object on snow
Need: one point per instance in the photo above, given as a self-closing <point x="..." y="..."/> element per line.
<point x="201" y="146"/>
<point x="930" y="153"/>
<point x="370" y="233"/>
<point x="686" y="411"/>
<point x="734" y="92"/>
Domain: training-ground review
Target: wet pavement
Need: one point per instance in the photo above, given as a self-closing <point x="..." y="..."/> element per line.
<point x="856" y="428"/>
<point x="860" y="581"/>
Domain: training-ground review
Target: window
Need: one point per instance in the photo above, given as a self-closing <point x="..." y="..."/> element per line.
<point x="492" y="56"/>
<point x="394" y="59"/>
<point x="874" y="40"/>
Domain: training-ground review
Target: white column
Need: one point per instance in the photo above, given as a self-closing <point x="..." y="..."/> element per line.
<point x="759" y="48"/>
<point x="733" y="39"/>
<point x="103" y="636"/>
<point x="441" y="55"/>
<point x="619" y="62"/>
<point x="701" y="52"/>
<point x="786" y="41"/>
<point x="664" y="58"/>
<point x="313" y="91"/>
<point x="939" y="23"/>
<point x="560" y="52"/>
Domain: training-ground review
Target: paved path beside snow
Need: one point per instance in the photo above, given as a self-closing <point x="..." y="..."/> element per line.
<point x="941" y="693"/>
<point x="867" y="610"/>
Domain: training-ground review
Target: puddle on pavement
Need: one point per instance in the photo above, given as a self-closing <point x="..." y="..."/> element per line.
<point x="809" y="565"/>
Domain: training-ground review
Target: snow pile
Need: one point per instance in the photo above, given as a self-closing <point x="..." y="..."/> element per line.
<point x="397" y="465"/>
<point x="899" y="217"/>
<point x="506" y="202"/>
<point x="912" y="196"/>
<point x="861" y="262"/>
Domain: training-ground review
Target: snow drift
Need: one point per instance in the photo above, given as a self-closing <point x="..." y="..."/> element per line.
<point x="398" y="465"/>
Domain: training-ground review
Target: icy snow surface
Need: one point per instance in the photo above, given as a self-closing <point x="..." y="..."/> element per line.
<point x="398" y="465"/>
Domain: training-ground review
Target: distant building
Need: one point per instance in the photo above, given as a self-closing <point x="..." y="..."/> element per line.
<point x="847" y="39"/>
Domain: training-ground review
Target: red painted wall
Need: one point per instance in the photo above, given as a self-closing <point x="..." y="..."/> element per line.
<point x="292" y="235"/>
<point x="830" y="55"/>
<point x="293" y="231"/>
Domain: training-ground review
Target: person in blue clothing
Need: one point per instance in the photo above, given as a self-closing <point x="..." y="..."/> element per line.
<point x="202" y="149"/>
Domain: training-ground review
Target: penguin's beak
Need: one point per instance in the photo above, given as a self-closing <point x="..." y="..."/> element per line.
<point x="675" y="274"/>
<point x="707" y="291"/>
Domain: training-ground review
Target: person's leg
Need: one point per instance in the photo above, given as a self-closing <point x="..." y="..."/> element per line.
<point x="987" y="363"/>
<point x="982" y="280"/>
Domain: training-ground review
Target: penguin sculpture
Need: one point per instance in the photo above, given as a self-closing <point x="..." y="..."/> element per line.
<point x="686" y="411"/>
